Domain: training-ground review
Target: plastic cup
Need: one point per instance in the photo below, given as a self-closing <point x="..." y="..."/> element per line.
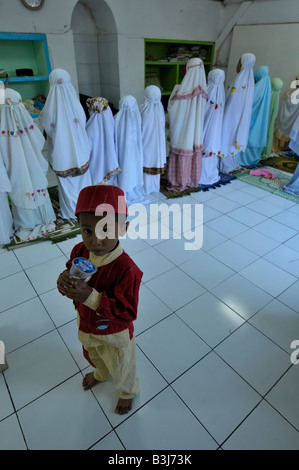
<point x="82" y="268"/>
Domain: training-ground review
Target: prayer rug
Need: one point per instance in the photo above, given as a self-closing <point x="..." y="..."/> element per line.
<point x="274" y="186"/>
<point x="241" y="169"/>
<point x="173" y="194"/>
<point x="225" y="178"/>
<point x="283" y="162"/>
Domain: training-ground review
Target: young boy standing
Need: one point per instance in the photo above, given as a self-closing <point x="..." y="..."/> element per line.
<point x="107" y="303"/>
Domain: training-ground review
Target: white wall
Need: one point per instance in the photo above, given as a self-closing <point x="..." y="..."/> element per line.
<point x="109" y="67"/>
<point x="54" y="17"/>
<point x="271" y="11"/>
<point x="86" y="50"/>
<point x="14" y="17"/>
<point x="272" y="42"/>
<point x="107" y="42"/>
<point x="272" y="46"/>
<point x="62" y="54"/>
<point x="122" y="25"/>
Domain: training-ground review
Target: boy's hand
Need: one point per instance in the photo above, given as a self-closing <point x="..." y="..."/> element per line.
<point x="72" y="288"/>
<point x="65" y="282"/>
<point x="80" y="291"/>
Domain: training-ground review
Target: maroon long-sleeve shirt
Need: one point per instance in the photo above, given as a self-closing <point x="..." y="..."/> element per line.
<point x="119" y="283"/>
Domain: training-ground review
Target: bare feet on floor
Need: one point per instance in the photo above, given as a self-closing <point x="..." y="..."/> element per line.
<point x="123" y="406"/>
<point x="89" y="381"/>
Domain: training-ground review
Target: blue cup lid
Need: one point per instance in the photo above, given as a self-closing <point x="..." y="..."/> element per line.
<point x="84" y="265"/>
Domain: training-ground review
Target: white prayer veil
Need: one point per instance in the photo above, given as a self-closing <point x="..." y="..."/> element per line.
<point x="294" y="136"/>
<point x="5" y="186"/>
<point x="128" y="143"/>
<point x="293" y="185"/>
<point x="103" y="162"/>
<point x="238" y="109"/>
<point x="6" y="226"/>
<point x="214" y="113"/>
<point x="288" y="112"/>
<point x="64" y="121"/>
<point x="186" y="108"/>
<point x="21" y="144"/>
<point x="153" y="129"/>
<point x="213" y="127"/>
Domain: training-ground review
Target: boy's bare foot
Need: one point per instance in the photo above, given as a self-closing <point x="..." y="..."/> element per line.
<point x="89" y="381"/>
<point x="123" y="406"/>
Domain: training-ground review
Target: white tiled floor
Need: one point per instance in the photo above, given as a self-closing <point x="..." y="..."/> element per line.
<point x="214" y="338"/>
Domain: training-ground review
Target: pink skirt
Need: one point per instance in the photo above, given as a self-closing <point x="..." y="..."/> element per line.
<point x="184" y="168"/>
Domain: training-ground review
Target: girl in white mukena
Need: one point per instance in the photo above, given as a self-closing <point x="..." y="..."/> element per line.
<point x="64" y="120"/>
<point x="153" y="139"/>
<point x="128" y="142"/>
<point x="186" y="110"/>
<point x="21" y="145"/>
<point x="286" y="117"/>
<point x="212" y="128"/>
<point x="103" y="163"/>
<point x="237" y="113"/>
<point x="6" y="226"/>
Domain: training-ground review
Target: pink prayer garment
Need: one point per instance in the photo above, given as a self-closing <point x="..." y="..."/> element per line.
<point x="263" y="172"/>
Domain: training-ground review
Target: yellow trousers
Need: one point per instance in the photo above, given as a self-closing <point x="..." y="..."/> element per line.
<point x="113" y="355"/>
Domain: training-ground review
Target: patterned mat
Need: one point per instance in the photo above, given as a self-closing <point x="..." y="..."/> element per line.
<point x="283" y="162"/>
<point x="173" y="194"/>
<point x="274" y="186"/>
<point x="224" y="179"/>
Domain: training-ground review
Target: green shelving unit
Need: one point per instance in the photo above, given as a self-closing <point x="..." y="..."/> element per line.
<point x="165" y="61"/>
<point x="26" y="51"/>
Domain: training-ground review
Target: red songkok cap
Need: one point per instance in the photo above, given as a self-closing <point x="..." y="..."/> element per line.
<point x="101" y="198"/>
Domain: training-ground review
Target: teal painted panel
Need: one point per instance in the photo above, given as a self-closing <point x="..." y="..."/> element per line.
<point x="28" y="51"/>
